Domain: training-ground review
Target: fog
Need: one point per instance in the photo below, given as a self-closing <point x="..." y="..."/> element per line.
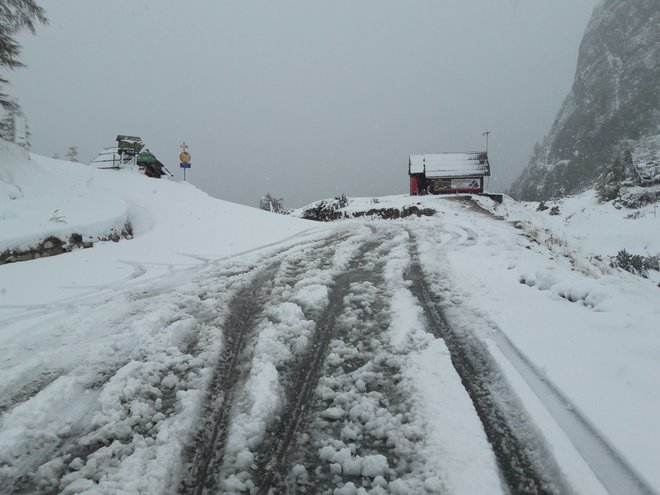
<point x="304" y="99"/>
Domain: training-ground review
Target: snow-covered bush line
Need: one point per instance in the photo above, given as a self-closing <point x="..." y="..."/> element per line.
<point x="387" y="208"/>
<point x="326" y="210"/>
<point x="323" y="213"/>
<point x="635" y="263"/>
<point x="638" y="196"/>
<point x="571" y="288"/>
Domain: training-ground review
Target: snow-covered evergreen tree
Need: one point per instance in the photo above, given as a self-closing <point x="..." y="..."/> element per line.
<point x="273" y="204"/>
<point x="72" y="154"/>
<point x="14" y="127"/>
<point x="15" y="16"/>
<point x="9" y="125"/>
<point x="27" y="135"/>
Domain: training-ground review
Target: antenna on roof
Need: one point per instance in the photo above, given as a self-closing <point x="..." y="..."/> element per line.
<point x="486" y="133"/>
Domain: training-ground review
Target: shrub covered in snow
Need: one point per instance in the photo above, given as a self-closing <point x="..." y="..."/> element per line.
<point x="273" y="204"/>
<point x="610" y="182"/>
<point x="342" y="200"/>
<point x="635" y="263"/>
<point x="326" y="210"/>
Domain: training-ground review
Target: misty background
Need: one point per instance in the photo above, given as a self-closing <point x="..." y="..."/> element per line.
<point x="305" y="99"/>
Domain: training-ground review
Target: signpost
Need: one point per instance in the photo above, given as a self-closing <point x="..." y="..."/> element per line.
<point x="184" y="157"/>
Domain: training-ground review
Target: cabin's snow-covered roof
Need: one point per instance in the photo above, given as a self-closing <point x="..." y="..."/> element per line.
<point x="450" y="164"/>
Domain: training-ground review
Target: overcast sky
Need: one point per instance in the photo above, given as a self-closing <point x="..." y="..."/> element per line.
<point x="305" y="99"/>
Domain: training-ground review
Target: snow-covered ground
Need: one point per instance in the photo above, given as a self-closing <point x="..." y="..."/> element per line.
<point x="545" y="281"/>
<point x="175" y="226"/>
<point x="108" y="351"/>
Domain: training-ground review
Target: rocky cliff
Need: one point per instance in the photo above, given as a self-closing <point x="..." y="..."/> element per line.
<point x="613" y="106"/>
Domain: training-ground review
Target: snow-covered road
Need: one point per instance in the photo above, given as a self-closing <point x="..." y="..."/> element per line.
<point x="488" y="348"/>
<point x="324" y="367"/>
<point x="337" y="364"/>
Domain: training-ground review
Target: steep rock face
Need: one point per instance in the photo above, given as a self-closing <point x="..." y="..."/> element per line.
<point x="614" y="102"/>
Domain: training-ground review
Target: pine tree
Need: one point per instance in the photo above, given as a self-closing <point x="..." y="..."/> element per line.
<point x="9" y="123"/>
<point x="272" y="204"/>
<point x="72" y="154"/>
<point x="14" y="127"/>
<point x="15" y="16"/>
<point x="27" y="138"/>
<point x="608" y="185"/>
<point x="7" y="129"/>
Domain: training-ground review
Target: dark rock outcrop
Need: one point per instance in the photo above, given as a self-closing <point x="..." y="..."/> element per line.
<point x="613" y="105"/>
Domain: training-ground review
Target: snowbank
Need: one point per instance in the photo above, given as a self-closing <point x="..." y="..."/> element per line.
<point x="174" y="225"/>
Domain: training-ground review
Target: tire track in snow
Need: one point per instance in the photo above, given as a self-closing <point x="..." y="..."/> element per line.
<point x="86" y="440"/>
<point x="272" y="454"/>
<point x="239" y="328"/>
<point x="525" y="463"/>
<point x="80" y="441"/>
<point x="205" y="469"/>
<point x="616" y="475"/>
<point x="356" y="427"/>
<point x="28" y="390"/>
<point x="27" y="477"/>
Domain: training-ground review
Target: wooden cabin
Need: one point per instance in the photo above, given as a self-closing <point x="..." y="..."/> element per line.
<point x="446" y="173"/>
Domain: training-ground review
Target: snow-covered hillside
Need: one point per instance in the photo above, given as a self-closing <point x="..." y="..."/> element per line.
<point x="173" y="224"/>
<point x="109" y="352"/>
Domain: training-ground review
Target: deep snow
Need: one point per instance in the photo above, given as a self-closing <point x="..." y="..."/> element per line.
<point x="97" y="342"/>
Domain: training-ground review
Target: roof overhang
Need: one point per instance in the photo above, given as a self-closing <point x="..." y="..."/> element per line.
<point x="471" y="164"/>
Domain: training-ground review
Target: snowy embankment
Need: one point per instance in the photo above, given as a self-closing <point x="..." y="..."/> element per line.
<point x="174" y="225"/>
<point x="38" y="202"/>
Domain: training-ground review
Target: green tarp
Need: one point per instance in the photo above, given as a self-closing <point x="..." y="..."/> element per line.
<point x="146" y="158"/>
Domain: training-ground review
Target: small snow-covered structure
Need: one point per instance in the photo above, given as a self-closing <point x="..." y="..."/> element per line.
<point x="110" y="158"/>
<point x="442" y="173"/>
<point x="131" y="154"/>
